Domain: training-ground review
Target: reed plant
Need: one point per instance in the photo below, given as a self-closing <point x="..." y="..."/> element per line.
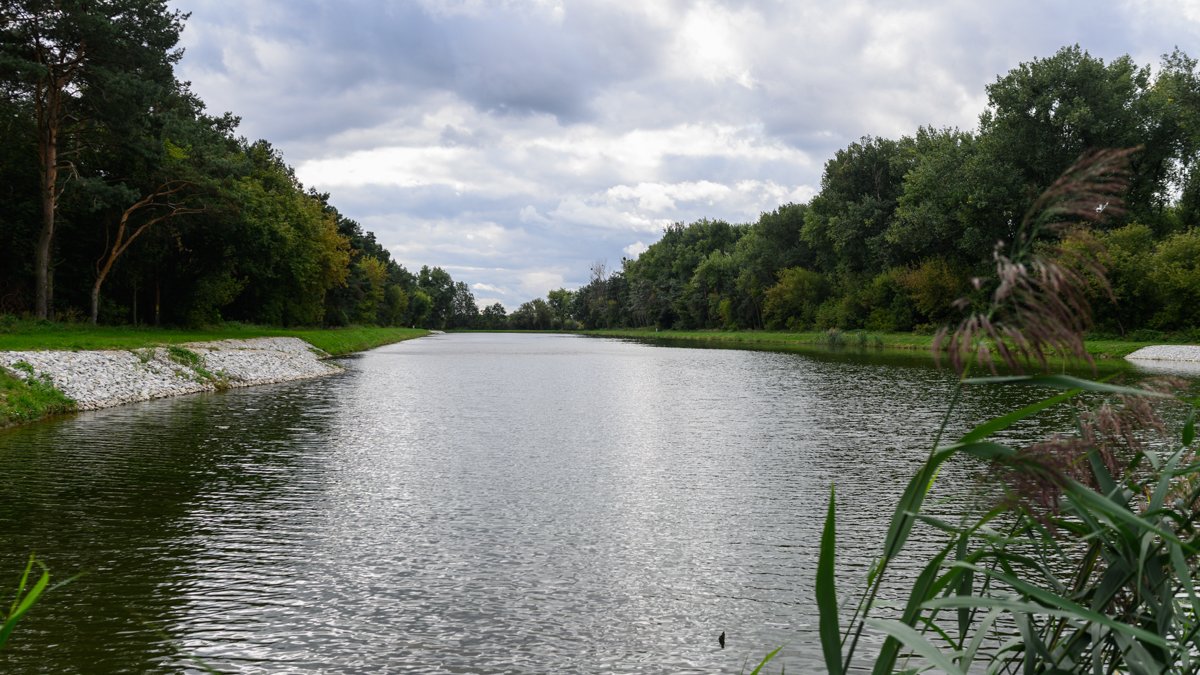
<point x="1087" y="565"/>
<point x="28" y="592"/>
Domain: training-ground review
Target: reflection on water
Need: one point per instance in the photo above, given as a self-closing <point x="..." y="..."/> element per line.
<point x="469" y="503"/>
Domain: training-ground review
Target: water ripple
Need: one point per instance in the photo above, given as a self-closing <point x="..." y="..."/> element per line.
<point x="468" y="503"/>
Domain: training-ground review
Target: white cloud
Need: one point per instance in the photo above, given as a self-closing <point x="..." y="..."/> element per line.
<point x="708" y="44"/>
<point x="635" y="249"/>
<point x="515" y="141"/>
<point x="539" y="283"/>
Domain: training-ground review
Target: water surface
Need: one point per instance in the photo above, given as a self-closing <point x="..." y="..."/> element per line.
<point x="474" y="503"/>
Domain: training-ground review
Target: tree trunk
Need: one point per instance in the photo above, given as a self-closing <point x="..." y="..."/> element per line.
<point x="124" y="237"/>
<point x="48" y="153"/>
<point x="96" y="299"/>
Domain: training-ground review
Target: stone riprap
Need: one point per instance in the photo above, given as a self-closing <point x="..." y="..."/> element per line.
<point x="1166" y="353"/>
<point x="100" y="379"/>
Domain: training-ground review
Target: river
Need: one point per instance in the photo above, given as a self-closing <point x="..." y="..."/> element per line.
<point x="471" y="503"/>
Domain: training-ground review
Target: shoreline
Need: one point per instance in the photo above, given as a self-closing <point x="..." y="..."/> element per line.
<point x="911" y="343"/>
<point x="38" y="383"/>
<point x="105" y="378"/>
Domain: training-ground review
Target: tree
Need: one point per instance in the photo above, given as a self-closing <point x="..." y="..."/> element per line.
<point x="956" y="201"/>
<point x="288" y="249"/>
<point x="860" y="188"/>
<point x="533" y="315"/>
<point x="77" y="61"/>
<point x="395" y="304"/>
<point x="1044" y="114"/>
<point x="793" y="301"/>
<point x="494" y="317"/>
<point x="419" y="308"/>
<point x="560" y="305"/>
<point x="439" y="287"/>
<point x="464" y="312"/>
<point x="157" y="172"/>
<point x="374" y="274"/>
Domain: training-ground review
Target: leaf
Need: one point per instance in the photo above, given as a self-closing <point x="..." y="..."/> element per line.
<point x="22" y="603"/>
<point x="965" y="585"/>
<point x="917" y="643"/>
<point x="910" y="502"/>
<point x="827" y="605"/>
<point x="766" y="659"/>
<point x="1064" y="609"/>
<point x="982" y="632"/>
<point x="1005" y="421"/>
<point x="922" y="589"/>
<point x="1184" y="572"/>
<point x="1115" y="513"/>
<point x="1138" y="659"/>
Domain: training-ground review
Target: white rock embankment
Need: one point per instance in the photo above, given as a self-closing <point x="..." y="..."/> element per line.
<point x="1166" y="353"/>
<point x="100" y="379"/>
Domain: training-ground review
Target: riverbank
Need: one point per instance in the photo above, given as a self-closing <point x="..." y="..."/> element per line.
<point x="820" y="340"/>
<point x="52" y="369"/>
<point x="31" y="336"/>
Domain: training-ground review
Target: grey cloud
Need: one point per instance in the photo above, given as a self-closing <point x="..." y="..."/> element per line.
<point x="535" y="110"/>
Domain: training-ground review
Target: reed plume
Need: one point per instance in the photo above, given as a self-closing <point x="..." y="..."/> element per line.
<point x="1037" y="306"/>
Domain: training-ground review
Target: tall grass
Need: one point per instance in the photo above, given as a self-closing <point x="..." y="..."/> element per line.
<point x="1088" y="564"/>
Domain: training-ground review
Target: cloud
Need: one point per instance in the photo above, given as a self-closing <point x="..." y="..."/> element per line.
<point x="514" y="142"/>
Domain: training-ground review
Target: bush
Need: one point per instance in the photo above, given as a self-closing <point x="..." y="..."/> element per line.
<point x="794" y="299"/>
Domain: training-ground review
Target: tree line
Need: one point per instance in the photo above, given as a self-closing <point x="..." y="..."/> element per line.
<point x="901" y="226"/>
<point x="122" y="200"/>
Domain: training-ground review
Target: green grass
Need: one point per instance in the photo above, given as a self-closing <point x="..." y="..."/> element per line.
<point x="29" y="335"/>
<point x="338" y="341"/>
<point x="1099" y="349"/>
<point x="27" y="400"/>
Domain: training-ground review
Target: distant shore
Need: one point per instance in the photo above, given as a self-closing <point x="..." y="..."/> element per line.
<point x="1100" y="349"/>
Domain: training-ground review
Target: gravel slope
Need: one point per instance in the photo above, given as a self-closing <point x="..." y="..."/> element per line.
<point x="100" y="379"/>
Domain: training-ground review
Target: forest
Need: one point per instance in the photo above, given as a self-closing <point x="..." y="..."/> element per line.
<point x="123" y="201"/>
<point x="900" y="227"/>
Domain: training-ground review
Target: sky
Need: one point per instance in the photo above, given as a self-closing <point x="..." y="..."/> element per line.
<point x="516" y="143"/>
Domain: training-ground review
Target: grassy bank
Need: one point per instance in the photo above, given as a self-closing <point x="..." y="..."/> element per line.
<point x="28" y="400"/>
<point x="909" y="342"/>
<point x="27" y="336"/>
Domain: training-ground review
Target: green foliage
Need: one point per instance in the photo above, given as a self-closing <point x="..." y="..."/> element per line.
<point x="1088" y="565"/>
<point x="1152" y="281"/>
<point x="533" y="315"/>
<point x="929" y="285"/>
<point x="169" y="216"/>
<point x="25" y="597"/>
<point x="184" y="357"/>
<point x="793" y="301"/>
<point x="1091" y="565"/>
<point x="1175" y="276"/>
<point x="899" y="227"/>
<point x="494" y="317"/>
<point x="23" y="399"/>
